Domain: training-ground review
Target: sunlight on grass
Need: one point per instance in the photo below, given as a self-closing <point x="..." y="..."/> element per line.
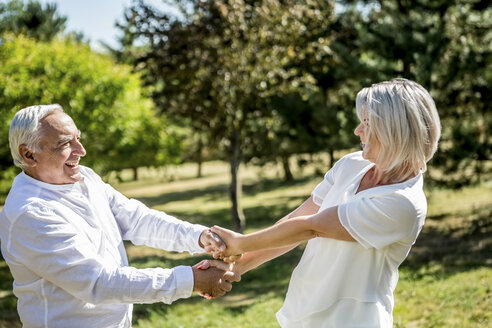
<point x="215" y="314"/>
<point x="434" y="298"/>
<point x="455" y="293"/>
<point x="446" y="201"/>
<point x="445" y="282"/>
<point x="441" y="284"/>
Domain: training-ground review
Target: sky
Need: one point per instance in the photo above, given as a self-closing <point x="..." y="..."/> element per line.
<point x="95" y="18"/>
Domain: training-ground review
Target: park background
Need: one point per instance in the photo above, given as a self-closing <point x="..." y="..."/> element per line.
<point x="230" y="112"/>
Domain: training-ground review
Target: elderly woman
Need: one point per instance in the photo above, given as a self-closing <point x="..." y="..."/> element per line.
<point x="361" y="220"/>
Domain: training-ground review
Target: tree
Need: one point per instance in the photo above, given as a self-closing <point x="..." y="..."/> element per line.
<point x="446" y="46"/>
<point x="118" y="123"/>
<point x="31" y="19"/>
<point x="220" y="65"/>
<point x="326" y="49"/>
<point x="169" y="75"/>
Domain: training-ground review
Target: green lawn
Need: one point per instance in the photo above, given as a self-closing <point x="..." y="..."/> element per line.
<point x="445" y="282"/>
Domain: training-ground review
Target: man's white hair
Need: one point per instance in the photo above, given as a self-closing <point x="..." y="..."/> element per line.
<point x="24" y="130"/>
<point x="404" y="120"/>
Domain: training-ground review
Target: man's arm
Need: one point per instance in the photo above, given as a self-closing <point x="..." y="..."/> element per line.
<point x="66" y="257"/>
<point x="144" y="226"/>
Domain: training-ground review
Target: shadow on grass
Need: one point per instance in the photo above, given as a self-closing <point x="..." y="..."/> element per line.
<point x="221" y="191"/>
<point x="265" y="185"/>
<point x="271" y="277"/>
<point x="8" y="302"/>
<point x="257" y="216"/>
<point x="210" y="193"/>
<point x="458" y="243"/>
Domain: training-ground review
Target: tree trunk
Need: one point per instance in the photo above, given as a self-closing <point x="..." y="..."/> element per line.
<point x="135" y="173"/>
<point x="235" y="189"/>
<point x="199" y="169"/>
<point x="287" y="172"/>
<point x="331" y="155"/>
<point x="199" y="157"/>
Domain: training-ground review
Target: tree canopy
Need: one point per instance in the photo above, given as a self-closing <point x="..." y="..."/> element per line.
<point x="31" y="19"/>
<point x="446" y="46"/>
<point x="253" y="79"/>
<point x="269" y="78"/>
<point x="226" y="66"/>
<point x="118" y="123"/>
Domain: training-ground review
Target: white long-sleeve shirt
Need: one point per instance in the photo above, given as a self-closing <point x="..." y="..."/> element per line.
<point x="64" y="247"/>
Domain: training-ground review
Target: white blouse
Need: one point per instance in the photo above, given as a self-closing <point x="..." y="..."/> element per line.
<point x="64" y="247"/>
<point x="351" y="284"/>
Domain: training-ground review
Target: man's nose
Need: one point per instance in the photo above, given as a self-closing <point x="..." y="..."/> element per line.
<point x="79" y="149"/>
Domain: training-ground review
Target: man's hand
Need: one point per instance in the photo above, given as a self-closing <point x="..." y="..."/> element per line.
<point x="213" y="278"/>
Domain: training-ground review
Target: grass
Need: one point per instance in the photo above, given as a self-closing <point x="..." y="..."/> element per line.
<point x="445" y="282"/>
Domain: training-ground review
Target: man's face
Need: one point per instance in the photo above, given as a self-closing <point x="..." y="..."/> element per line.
<point x="57" y="162"/>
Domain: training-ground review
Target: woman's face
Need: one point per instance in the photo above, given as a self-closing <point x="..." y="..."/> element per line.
<point x="370" y="148"/>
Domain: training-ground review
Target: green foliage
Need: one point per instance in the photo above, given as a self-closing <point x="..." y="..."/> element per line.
<point x="118" y="124"/>
<point x="31" y="18"/>
<point x="228" y="69"/>
<point x="447" y="47"/>
<point x="234" y="70"/>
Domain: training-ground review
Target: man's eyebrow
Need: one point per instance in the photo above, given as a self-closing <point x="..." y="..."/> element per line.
<point x="64" y="139"/>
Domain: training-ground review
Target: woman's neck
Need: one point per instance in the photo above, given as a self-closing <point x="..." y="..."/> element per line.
<point x="379" y="177"/>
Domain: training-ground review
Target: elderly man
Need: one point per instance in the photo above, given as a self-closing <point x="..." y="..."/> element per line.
<point x="62" y="230"/>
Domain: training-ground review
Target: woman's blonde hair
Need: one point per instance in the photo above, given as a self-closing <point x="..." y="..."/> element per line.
<point x="404" y="121"/>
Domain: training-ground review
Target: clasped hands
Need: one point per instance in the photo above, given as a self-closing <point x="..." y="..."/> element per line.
<point x="213" y="278"/>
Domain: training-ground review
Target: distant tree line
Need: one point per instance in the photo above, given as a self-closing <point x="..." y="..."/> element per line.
<point x="252" y="80"/>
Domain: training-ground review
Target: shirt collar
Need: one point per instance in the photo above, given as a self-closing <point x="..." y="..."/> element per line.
<point x="45" y="185"/>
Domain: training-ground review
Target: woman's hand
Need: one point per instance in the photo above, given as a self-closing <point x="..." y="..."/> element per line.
<point x="211" y="242"/>
<point x="233" y="246"/>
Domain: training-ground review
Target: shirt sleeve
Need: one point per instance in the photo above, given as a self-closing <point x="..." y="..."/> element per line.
<point x="55" y="250"/>
<point x="144" y="226"/>
<point x="321" y="190"/>
<point x="379" y="221"/>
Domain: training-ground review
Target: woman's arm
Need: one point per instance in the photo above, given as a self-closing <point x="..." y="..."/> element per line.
<point x="252" y="260"/>
<point x="286" y="232"/>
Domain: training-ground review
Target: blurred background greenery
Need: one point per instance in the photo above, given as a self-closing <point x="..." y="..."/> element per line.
<point x="265" y="85"/>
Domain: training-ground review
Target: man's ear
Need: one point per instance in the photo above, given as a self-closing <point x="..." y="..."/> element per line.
<point x="27" y="155"/>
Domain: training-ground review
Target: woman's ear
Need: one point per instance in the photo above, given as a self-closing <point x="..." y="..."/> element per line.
<point x="27" y="155"/>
